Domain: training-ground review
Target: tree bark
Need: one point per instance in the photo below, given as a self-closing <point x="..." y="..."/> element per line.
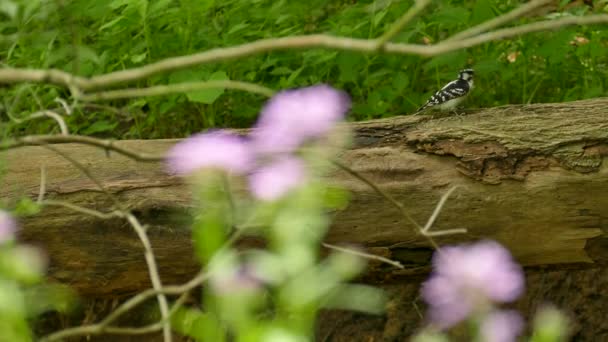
<point x="531" y="177"/>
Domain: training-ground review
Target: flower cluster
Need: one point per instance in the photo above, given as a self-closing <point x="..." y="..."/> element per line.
<point x="467" y="280"/>
<point x="289" y="119"/>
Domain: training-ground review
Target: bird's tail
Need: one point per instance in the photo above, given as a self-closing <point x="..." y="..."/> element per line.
<point x="426" y="105"/>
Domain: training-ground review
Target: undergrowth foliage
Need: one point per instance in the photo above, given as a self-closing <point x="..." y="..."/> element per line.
<point x="95" y="37"/>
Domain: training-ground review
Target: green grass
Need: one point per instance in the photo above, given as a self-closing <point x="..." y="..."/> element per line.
<point x="95" y="37"/>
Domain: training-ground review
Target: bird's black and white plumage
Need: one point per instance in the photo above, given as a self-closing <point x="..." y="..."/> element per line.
<point x="452" y="93"/>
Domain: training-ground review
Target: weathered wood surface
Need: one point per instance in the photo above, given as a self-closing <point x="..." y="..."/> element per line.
<point x="531" y="177"/>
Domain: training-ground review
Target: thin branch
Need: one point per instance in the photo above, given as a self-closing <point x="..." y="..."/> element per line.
<point x="63" y="127"/>
<point x="389" y="198"/>
<point x="105" y="328"/>
<point x="498" y="21"/>
<point x="545" y="25"/>
<point x="177" y="88"/>
<point x="397" y="26"/>
<point x="424" y="231"/>
<point x="128" y="306"/>
<point x="224" y="54"/>
<point x="154" y="274"/>
<point x="437" y="210"/>
<point x="76" y="84"/>
<point x="139" y="229"/>
<point x="87" y="173"/>
<point x="42" y="189"/>
<point x="448" y="232"/>
<point x="82" y="210"/>
<point x="52" y="76"/>
<point x="108" y="145"/>
<point x="364" y="255"/>
<point x="64" y="105"/>
<point x="379" y="191"/>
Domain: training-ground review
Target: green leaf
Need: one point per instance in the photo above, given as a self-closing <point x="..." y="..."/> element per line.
<point x="451" y="16"/>
<point x="455" y="60"/>
<point x="9" y="8"/>
<point x="119" y="3"/>
<point x="111" y="23"/>
<point x="238" y="27"/>
<point x="290" y="80"/>
<point x="197" y="324"/>
<point x="281" y="71"/>
<point x="361" y="298"/>
<point x="208" y="96"/>
<point x="482" y="11"/>
<point x="349" y="64"/>
<point x="378" y="18"/>
<point x="139" y="58"/>
<point x="53" y="297"/>
<point x="400" y="81"/>
<point x="336" y="198"/>
<point x="26" y="207"/>
<point x="88" y="54"/>
<point x="99" y="127"/>
<point x="158" y="6"/>
<point x="556" y="48"/>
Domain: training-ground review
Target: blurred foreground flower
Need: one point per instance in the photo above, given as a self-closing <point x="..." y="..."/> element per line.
<point x="293" y="116"/>
<point x="271" y="181"/>
<point x="217" y="149"/>
<point x="501" y="326"/>
<point x="7" y="227"/>
<point x="468" y="279"/>
<point x="288" y="120"/>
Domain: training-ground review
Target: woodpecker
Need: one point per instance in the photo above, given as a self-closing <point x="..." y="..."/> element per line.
<point x="452" y="93"/>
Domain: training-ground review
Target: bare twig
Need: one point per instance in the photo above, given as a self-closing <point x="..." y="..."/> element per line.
<point x="498" y="21"/>
<point x="544" y="25"/>
<point x="379" y="191"/>
<point x="424" y="231"/>
<point x="108" y="145"/>
<point x="447" y="232"/>
<point x="79" y="84"/>
<point x="154" y="275"/>
<point x="177" y="88"/>
<point x="141" y="233"/>
<point x="437" y="210"/>
<point x="83" y="210"/>
<point x="124" y="308"/>
<point x="42" y="189"/>
<point x="388" y="197"/>
<point x="105" y="328"/>
<point x="64" y="105"/>
<point x="63" y="127"/>
<point x="363" y="255"/>
<point x="397" y="26"/>
<point x="87" y="173"/>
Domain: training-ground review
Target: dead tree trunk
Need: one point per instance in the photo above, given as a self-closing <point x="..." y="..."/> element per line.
<point x="531" y="177"/>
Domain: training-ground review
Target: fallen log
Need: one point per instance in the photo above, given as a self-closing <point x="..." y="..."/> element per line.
<point x="531" y="177"/>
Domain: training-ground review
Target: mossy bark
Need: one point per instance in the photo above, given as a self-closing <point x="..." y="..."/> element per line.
<point x="531" y="177"/>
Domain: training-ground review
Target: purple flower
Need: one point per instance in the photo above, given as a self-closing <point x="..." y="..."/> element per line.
<point x="242" y="278"/>
<point x="7" y="227"/>
<point x="470" y="277"/>
<point x="501" y="326"/>
<point x="218" y="149"/>
<point x="293" y="116"/>
<point x="272" y="181"/>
